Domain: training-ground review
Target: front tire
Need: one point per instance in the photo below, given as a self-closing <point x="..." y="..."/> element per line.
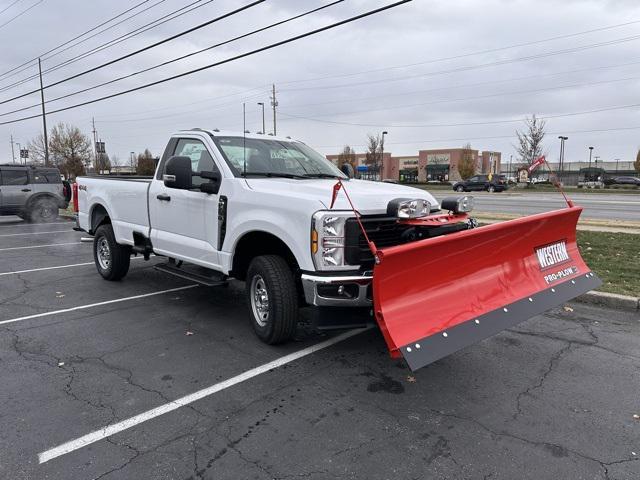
<point x="491" y="189"/>
<point x="459" y="188"/>
<point x="112" y="259"/>
<point x="272" y="299"/>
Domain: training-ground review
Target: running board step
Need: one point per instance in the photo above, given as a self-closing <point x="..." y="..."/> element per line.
<point x="202" y="275"/>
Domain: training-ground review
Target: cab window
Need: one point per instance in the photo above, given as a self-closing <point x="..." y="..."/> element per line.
<point x="14" y="177"/>
<point x="201" y="160"/>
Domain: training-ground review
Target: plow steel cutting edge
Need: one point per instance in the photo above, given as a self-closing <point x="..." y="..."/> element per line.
<point x="435" y="296"/>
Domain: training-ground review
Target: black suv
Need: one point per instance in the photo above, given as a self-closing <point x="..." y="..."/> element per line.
<point x="498" y="183"/>
<point x="633" y="181"/>
<point x="33" y="193"/>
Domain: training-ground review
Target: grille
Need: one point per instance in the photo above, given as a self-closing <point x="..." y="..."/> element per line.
<point x="384" y="231"/>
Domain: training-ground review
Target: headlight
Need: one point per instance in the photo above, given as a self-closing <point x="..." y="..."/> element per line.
<point x="458" y="204"/>
<point x="328" y="240"/>
<point x="408" y="208"/>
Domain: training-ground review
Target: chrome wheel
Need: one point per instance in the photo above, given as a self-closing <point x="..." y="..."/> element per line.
<point x="259" y="300"/>
<point x="103" y="253"/>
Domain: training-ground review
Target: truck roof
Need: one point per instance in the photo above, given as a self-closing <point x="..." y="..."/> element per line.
<point x="234" y="133"/>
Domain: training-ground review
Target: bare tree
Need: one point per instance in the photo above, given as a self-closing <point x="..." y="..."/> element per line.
<point x="115" y="161"/>
<point x="373" y="157"/>
<point x="70" y="149"/>
<point x="348" y="155"/>
<point x="467" y="165"/>
<point x="530" y="141"/>
<point x="102" y="163"/>
<point x="145" y="164"/>
<point x="636" y="164"/>
<point x="36" y="149"/>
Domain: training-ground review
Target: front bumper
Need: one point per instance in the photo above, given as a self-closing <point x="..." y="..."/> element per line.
<point x="337" y="291"/>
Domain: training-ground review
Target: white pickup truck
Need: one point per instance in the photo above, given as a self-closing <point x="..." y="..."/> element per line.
<point x="251" y="207"/>
<point x="277" y="215"/>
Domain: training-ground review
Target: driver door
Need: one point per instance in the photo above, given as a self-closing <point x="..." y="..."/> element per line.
<point x="185" y="222"/>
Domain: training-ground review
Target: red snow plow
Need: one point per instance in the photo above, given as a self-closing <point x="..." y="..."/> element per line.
<point x="435" y="296"/>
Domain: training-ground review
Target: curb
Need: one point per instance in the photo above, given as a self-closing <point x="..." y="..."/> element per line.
<point x="611" y="300"/>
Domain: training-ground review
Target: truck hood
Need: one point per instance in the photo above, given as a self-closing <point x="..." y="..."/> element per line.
<point x="369" y="198"/>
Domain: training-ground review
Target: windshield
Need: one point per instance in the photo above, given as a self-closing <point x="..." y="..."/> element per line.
<point x="275" y="158"/>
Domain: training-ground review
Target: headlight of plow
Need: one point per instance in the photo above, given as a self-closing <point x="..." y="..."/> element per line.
<point x="408" y="208"/>
<point x="328" y="240"/>
<point x="458" y="204"/>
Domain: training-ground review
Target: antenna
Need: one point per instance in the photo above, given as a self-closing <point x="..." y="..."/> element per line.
<point x="244" y="139"/>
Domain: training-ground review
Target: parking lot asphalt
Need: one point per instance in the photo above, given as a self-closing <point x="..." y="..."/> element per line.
<point x="551" y="398"/>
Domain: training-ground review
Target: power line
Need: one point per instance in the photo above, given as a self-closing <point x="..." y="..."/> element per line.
<point x="475" y="97"/>
<point x="437" y="125"/>
<point x="9" y="6"/>
<point x="253" y="32"/>
<point x="493" y="137"/>
<point x="74" y="38"/>
<point x="21" y="13"/>
<point x="91" y="51"/>
<point x="473" y="67"/>
<point x="140" y="50"/>
<point x="465" y="55"/>
<point x="222" y="62"/>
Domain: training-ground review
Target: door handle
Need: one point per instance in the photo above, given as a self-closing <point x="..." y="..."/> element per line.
<point x="163" y="197"/>
<point x="26" y="190"/>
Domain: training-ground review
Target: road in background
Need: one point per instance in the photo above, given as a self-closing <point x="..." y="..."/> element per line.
<point x="600" y="206"/>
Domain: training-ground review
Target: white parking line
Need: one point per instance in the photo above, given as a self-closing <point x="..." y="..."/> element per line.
<point x="40" y="246"/>
<point x="54" y="268"/>
<point x="36" y="233"/>
<point x="91" y="305"/>
<point x="34" y="224"/>
<point x="114" y="428"/>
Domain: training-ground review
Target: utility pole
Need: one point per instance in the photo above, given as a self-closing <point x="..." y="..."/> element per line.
<point x="95" y="145"/>
<point x="274" y="104"/>
<point x="13" y="153"/>
<point x="44" y="118"/>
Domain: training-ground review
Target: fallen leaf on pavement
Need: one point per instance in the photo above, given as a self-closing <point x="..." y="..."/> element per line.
<point x="411" y="379"/>
<point x="568" y="309"/>
<point x="61" y="364"/>
<point x="188" y="333"/>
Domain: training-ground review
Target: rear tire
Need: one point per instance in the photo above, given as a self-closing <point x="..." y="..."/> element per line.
<point x="491" y="189"/>
<point x="272" y="299"/>
<point x="112" y="259"/>
<point x="43" y="210"/>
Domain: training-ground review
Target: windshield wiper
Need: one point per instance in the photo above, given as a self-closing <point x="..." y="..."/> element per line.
<point x="323" y="175"/>
<point x="271" y="174"/>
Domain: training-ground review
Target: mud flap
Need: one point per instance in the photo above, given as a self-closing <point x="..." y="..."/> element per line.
<point x="436" y="296"/>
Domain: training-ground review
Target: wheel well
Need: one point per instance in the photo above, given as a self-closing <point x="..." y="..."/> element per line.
<point x="254" y="244"/>
<point x="99" y="216"/>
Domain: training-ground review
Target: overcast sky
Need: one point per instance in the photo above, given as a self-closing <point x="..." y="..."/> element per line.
<point x="414" y="71"/>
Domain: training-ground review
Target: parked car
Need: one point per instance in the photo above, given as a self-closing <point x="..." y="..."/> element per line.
<point x="614" y="181"/>
<point x="477" y="183"/>
<point x="273" y="213"/>
<point x="32" y="193"/>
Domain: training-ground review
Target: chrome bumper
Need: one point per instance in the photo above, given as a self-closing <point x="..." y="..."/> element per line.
<point x="355" y="294"/>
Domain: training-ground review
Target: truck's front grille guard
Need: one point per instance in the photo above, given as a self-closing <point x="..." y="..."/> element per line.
<point x="382" y="230"/>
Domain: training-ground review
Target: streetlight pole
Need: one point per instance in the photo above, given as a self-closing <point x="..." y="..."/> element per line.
<point x="590" y="152"/>
<point x="19" y="153"/>
<point x="561" y="161"/>
<point x="263" y="128"/>
<point x="382" y="155"/>
<point x="510" y="160"/>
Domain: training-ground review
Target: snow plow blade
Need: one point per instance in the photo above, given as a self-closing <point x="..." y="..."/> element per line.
<point x="436" y="296"/>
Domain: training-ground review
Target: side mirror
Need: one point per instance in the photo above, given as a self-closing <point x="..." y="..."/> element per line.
<point x="177" y="173"/>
